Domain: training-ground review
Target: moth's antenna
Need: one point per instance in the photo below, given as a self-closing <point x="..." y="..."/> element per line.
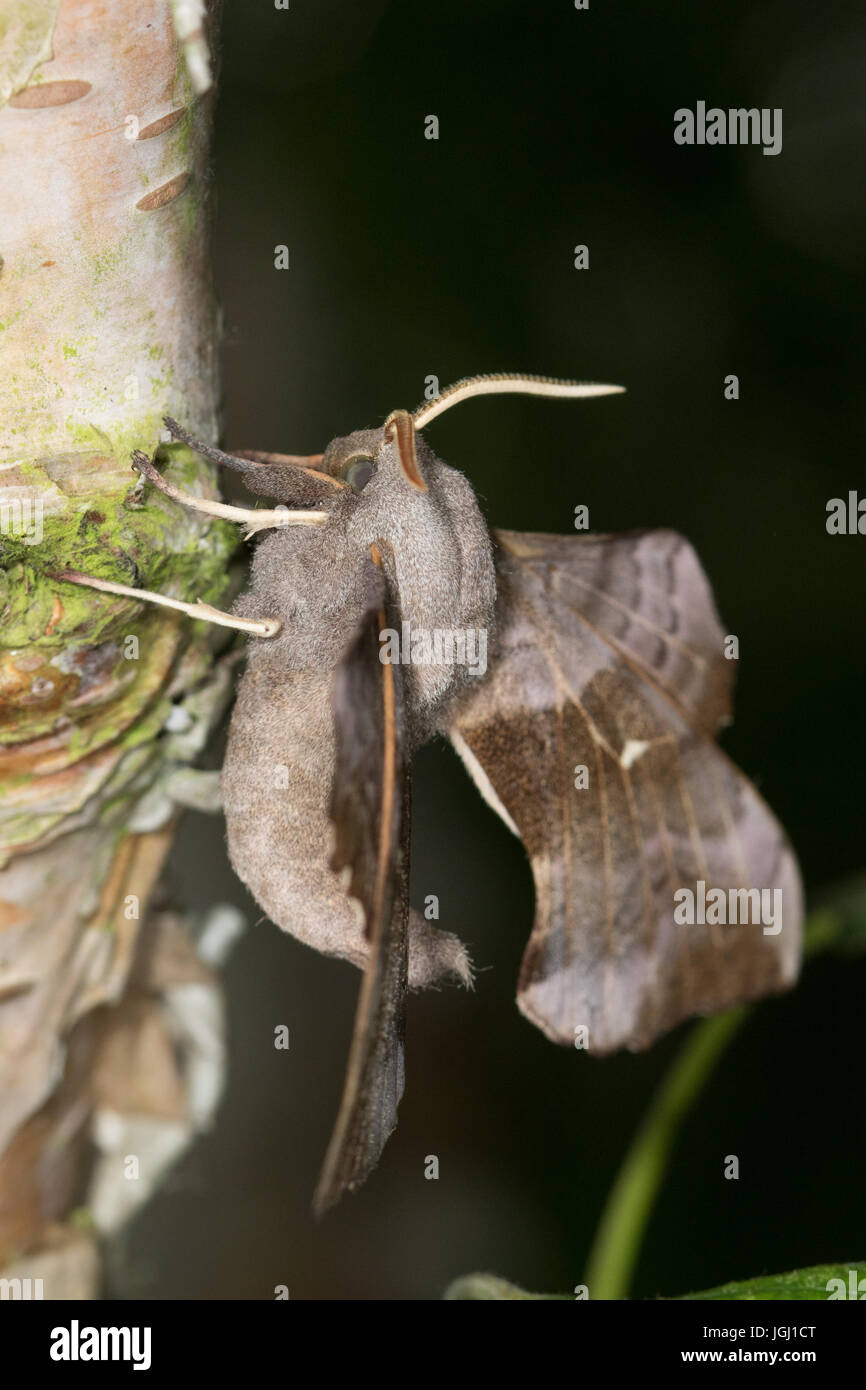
<point x="503" y="383"/>
<point x="262" y="627"/>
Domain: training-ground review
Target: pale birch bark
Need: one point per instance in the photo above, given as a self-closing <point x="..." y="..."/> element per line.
<point x="107" y="322"/>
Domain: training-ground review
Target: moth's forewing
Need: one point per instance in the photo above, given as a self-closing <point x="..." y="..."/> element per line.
<point x="610" y="658"/>
<point x="370" y="812"/>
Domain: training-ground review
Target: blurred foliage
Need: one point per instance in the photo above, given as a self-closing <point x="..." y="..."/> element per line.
<point x="799" y="1284"/>
<point x="839" y="922"/>
<point x="839" y="925"/>
<point x="810" y="1284"/>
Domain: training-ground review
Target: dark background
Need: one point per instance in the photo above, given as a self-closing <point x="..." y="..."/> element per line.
<point x="411" y="257"/>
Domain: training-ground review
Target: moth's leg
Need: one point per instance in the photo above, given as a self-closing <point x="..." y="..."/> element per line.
<point x="262" y="627"/>
<point x="252" y="519"/>
<point x="249" y="460"/>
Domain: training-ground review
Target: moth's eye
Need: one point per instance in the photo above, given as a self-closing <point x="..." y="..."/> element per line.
<point x="358" y="471"/>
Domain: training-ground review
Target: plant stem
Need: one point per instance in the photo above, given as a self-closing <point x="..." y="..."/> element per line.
<point x="617" y="1242"/>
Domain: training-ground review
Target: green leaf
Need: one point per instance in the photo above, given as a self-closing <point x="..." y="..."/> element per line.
<point x="811" y="1284"/>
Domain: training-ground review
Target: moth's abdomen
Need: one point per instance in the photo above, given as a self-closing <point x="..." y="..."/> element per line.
<point x="276" y="784"/>
<point x="276" y="781"/>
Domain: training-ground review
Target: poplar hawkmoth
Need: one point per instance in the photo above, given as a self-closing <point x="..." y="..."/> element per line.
<point x="604" y="652"/>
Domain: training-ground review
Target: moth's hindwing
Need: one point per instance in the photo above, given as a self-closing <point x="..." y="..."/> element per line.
<point x="610" y="659"/>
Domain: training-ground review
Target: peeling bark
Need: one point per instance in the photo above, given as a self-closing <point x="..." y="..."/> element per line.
<point x="107" y="323"/>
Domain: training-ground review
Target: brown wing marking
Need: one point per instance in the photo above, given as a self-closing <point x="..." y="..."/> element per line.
<point x="631" y="681"/>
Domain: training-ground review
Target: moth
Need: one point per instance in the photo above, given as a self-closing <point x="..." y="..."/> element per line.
<point x="605" y="658"/>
